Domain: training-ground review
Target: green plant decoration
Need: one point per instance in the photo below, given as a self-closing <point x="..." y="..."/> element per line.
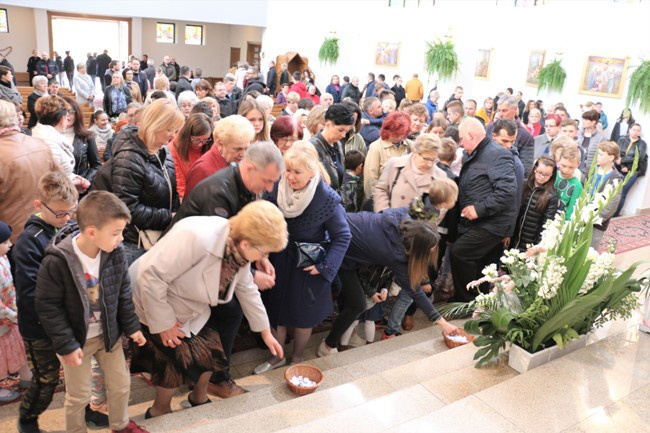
<point x="639" y="90"/>
<point x="551" y="77"/>
<point x="441" y="57"/>
<point x="329" y="50"/>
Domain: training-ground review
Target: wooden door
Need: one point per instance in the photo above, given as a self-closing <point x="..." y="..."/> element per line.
<point x="235" y="56"/>
<point x="253" y="54"/>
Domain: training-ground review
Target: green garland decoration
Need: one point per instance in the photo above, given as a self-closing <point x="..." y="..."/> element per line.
<point x="551" y="77"/>
<point x="639" y="90"/>
<point x="441" y="57"/>
<point x="329" y="51"/>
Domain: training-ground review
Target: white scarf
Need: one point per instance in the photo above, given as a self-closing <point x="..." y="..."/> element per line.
<point x="293" y="203"/>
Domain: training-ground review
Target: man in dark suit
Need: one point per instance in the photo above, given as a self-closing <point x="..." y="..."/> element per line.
<point x="272" y="79"/>
<point x="103" y="61"/>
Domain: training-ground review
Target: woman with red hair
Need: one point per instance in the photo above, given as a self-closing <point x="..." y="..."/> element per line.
<point x="284" y="132"/>
<point x="392" y="142"/>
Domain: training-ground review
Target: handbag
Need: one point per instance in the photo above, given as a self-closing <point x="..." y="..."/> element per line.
<point x="311" y="253"/>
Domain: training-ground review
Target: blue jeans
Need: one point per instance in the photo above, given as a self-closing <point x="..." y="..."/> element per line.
<point x="628" y="186"/>
<point x="400" y="306"/>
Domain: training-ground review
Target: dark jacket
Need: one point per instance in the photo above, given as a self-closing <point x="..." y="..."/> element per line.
<point x="487" y="181"/>
<point x="108" y="104"/>
<point x="91" y="66"/>
<point x="86" y="158"/>
<point x="182" y="85"/>
<point x="28" y="253"/>
<point x="226" y="107"/>
<point x="272" y="81"/>
<point x="376" y="240"/>
<point x="68" y="64"/>
<point x="608" y="211"/>
<point x="139" y="181"/>
<point x="627" y="158"/>
<point x="255" y="84"/>
<point x="352" y="92"/>
<point x="285" y="78"/>
<point x="332" y="159"/>
<point x="51" y="67"/>
<point x="31" y="107"/>
<point x="62" y="298"/>
<point x="372" y="130"/>
<point x="336" y="94"/>
<point x="530" y="222"/>
<point x="31" y="67"/>
<point x="400" y="93"/>
<point x="222" y="194"/>
<point x="525" y="145"/>
<point x="102" y="63"/>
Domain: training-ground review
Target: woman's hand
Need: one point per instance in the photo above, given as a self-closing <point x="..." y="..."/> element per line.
<point x="173" y="336"/>
<point x="265" y="265"/>
<point x="447" y="328"/>
<point x="80" y="183"/>
<point x="274" y="347"/>
<point x="311" y="269"/>
<point x="262" y="280"/>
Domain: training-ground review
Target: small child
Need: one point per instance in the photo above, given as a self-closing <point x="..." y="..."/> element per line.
<point x="446" y="156"/>
<point x="56" y="201"/>
<point x="567" y="183"/>
<point x="352" y="187"/>
<point x="608" y="152"/>
<point x="85" y="319"/>
<point x="12" y="350"/>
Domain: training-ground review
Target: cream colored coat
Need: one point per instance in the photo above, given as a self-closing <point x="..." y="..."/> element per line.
<point x="178" y="279"/>
<point x="378" y="155"/>
<point x="408" y="185"/>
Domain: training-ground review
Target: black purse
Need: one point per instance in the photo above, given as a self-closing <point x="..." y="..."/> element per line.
<point x="311" y="253"/>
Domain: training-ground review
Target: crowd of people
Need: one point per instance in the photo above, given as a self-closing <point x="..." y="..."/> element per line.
<point x="184" y="208"/>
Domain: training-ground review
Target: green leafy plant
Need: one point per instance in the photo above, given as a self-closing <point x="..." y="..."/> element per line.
<point x="639" y="90"/>
<point x="551" y="77"/>
<point x="556" y="290"/>
<point x="329" y="50"/>
<point x="441" y="57"/>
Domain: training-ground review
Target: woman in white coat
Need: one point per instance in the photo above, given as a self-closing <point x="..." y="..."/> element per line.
<point x="201" y="262"/>
<point x="84" y="86"/>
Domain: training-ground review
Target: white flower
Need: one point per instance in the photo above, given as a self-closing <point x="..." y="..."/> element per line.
<point x="552" y="277"/>
<point x="599" y="268"/>
<point x="490" y="271"/>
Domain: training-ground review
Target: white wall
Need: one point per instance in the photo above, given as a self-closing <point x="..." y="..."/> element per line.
<point x="577" y="29"/>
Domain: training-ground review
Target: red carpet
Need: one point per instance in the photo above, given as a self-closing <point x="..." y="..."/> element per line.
<point x="629" y="233"/>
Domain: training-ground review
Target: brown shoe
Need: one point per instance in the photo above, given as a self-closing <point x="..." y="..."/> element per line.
<point x="226" y="389"/>
<point x="407" y="323"/>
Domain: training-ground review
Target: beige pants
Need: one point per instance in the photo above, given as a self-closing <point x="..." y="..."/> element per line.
<point x="78" y="386"/>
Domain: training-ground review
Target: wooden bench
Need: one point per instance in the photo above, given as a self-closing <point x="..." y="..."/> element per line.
<point x="87" y="110"/>
<point x="277" y="109"/>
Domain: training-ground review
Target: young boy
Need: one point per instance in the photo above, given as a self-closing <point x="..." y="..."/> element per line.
<point x="84" y="318"/>
<point x="352" y="187"/>
<point x="567" y="184"/>
<point x="608" y="152"/>
<point x="56" y="201"/>
<point x="446" y="156"/>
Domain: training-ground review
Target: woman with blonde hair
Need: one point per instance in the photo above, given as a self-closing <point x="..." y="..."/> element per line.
<point x="486" y="112"/>
<point x="315" y="121"/>
<point x="256" y="115"/>
<point x="116" y="96"/>
<point x="143" y="174"/>
<point x="302" y="296"/>
<point x="203" y="262"/>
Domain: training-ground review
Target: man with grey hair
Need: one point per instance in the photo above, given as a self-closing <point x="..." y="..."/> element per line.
<point x="226" y="106"/>
<point x="326" y="99"/>
<point x="168" y="69"/>
<point x="150" y="72"/>
<point x="233" y="92"/>
<point x="352" y="90"/>
<point x="224" y="194"/>
<point x="507" y="108"/>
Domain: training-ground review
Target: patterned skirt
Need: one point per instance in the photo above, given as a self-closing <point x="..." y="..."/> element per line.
<point x="170" y="367"/>
<point x="12" y="352"/>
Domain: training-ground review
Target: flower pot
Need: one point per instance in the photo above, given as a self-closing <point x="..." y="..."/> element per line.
<point x="521" y="360"/>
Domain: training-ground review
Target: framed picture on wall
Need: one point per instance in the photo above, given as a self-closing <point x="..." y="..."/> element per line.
<point x="483" y="60"/>
<point x="604" y="76"/>
<point x="193" y="35"/>
<point x="166" y="33"/>
<point x="387" y="54"/>
<point x="4" y="21"/>
<point x="535" y="64"/>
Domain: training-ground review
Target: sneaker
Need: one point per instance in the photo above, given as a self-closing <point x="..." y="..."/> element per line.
<point x="324" y="350"/>
<point x="356" y="340"/>
<point x="131" y="427"/>
<point x="28" y="427"/>
<point x="95" y="419"/>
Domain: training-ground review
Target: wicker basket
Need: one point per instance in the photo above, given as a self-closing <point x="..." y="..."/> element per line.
<point x="451" y="343"/>
<point x="313" y="373"/>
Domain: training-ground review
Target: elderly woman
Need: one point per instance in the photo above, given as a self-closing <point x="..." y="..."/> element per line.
<point x="419" y="117"/>
<point x="8" y="89"/>
<point x="53" y="116"/>
<point x="187" y="100"/>
<point x="231" y="137"/>
<point x="84" y="86"/>
<point x="338" y="122"/>
<point x="85" y="151"/>
<point x="214" y="106"/>
<point x="144" y="176"/>
<point x="192" y="142"/>
<point x="534" y="125"/>
<point x="256" y="115"/>
<point x="391" y="143"/>
<point x="201" y="263"/>
<point x="40" y="88"/>
<point x="302" y="296"/>
<point x="285" y="132"/>
<point x="291" y="104"/>
<point x="160" y="83"/>
<point x="116" y="96"/>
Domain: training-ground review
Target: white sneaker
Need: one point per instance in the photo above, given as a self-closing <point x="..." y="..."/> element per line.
<point x="356" y="341"/>
<point x="324" y="350"/>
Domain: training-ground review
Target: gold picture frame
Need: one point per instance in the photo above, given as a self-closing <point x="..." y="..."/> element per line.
<point x="604" y="76"/>
<point x="483" y="64"/>
<point x="387" y="54"/>
<point x="535" y="64"/>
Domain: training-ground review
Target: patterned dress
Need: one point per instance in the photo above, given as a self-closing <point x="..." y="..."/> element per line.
<point x="12" y="350"/>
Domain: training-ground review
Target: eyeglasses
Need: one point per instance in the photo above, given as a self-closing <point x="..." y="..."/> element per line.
<point x="262" y="253"/>
<point x="198" y="140"/>
<point x="431" y="160"/>
<point x="62" y="214"/>
<point x="543" y="175"/>
<point x="71" y="111"/>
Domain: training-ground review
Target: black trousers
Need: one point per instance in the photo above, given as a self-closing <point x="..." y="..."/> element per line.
<point x="352" y="302"/>
<point x="226" y="319"/>
<point x="471" y="252"/>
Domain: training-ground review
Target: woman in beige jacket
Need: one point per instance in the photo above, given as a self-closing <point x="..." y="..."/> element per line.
<point x="201" y="262"/>
<point x="409" y="176"/>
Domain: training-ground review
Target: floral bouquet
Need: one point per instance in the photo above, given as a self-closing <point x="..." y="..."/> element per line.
<point x="555" y="291"/>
